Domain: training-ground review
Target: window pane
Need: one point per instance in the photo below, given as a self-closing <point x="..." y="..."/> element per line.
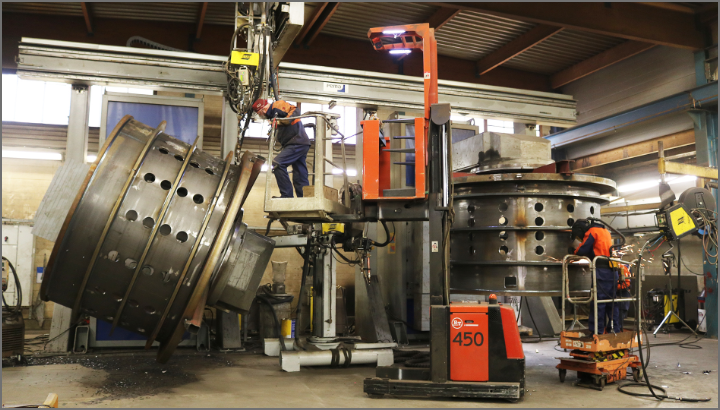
<point x="96" y="93"/>
<point x="57" y="106"/>
<point x="30" y="101"/>
<point x="9" y="96"/>
<point x="501" y="126"/>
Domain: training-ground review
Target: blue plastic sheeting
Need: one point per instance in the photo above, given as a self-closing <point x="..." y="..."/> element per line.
<point x="182" y="122"/>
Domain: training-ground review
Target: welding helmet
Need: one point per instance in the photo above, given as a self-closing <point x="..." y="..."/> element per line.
<point x="579" y="228"/>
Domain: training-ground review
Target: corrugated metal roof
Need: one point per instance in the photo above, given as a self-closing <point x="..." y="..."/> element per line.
<point x="561" y="51"/>
<point x="471" y="35"/>
<point x="220" y="13"/>
<point x="353" y="20"/>
<point x="58" y="9"/>
<point x="178" y="12"/>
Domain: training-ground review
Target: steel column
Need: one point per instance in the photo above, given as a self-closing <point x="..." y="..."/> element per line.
<point x="229" y="131"/>
<point x="77" y="133"/>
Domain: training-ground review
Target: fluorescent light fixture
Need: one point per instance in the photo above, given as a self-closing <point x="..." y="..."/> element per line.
<point x="396" y="32"/>
<point x="91" y="158"/>
<point x="649" y="184"/>
<point x="43" y="155"/>
<point x="400" y="51"/>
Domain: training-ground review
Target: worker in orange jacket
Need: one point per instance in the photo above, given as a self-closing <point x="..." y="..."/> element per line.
<point x="623" y="291"/>
<point x="594" y="240"/>
<point x="295" y="146"/>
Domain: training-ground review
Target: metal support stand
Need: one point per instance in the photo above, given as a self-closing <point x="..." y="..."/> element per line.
<point x="575" y="321"/>
<point x="672" y="313"/>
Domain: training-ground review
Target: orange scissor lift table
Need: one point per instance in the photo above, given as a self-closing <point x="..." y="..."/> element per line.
<point x="602" y="358"/>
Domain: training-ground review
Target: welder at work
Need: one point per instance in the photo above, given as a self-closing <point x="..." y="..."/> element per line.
<point x="295" y="145"/>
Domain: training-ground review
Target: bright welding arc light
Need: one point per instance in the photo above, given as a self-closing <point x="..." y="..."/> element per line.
<point x="403" y="51"/>
<point x="395" y="32"/>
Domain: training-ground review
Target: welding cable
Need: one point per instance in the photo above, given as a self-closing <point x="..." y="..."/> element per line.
<point x="305" y="271"/>
<point x="332" y="245"/>
<point x="638" y="325"/>
<point x="271" y="299"/>
<point x="18" y="291"/>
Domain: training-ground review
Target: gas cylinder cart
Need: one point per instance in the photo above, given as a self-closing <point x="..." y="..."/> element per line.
<point x="599" y="358"/>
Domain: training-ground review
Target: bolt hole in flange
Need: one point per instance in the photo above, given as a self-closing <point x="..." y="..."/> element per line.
<point x="539" y="221"/>
<point x="166" y="185"/>
<point x="147" y="270"/>
<point x="209" y="171"/>
<point x="113" y="256"/>
<point x="471" y="250"/>
<point x="503" y="221"/>
<point x="179" y="157"/>
<point x="504" y="250"/>
<point x="131" y="215"/>
<point x="130" y="263"/>
<point x="149" y="310"/>
<point x="164" y="151"/>
<point x="503" y="207"/>
<point x="592" y="210"/>
<point x="148" y="222"/>
<point x="570" y="222"/>
<point x="149" y="178"/>
<point x="539" y="250"/>
<point x="182" y="192"/>
<point x="539" y="207"/>
<point x="471" y="222"/>
<point x="503" y="235"/>
<point x="165" y="230"/>
<point x="198" y="199"/>
<point x="570" y="208"/>
<point x="539" y="235"/>
<point x="194" y="164"/>
<point x="181" y="236"/>
<point x="510" y="282"/>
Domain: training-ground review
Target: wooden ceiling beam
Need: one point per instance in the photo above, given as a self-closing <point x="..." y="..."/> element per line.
<point x="310" y="23"/>
<point x="441" y="17"/>
<point x="516" y="47"/>
<point x="640" y="149"/>
<point x="321" y="21"/>
<point x="632" y="21"/>
<point x="598" y="62"/>
<point x="201" y="20"/>
<point x="86" y="16"/>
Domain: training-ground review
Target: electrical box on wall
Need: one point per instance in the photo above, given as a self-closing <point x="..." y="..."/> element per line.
<point x="18" y="246"/>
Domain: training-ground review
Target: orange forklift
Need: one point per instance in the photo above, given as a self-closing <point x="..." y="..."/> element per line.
<point x="475" y="348"/>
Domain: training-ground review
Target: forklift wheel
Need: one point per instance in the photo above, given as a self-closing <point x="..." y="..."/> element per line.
<point x="637" y="374"/>
<point x="563" y="372"/>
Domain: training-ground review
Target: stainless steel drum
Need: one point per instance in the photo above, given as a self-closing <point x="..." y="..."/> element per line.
<point x="512" y="230"/>
<point x="155" y="229"/>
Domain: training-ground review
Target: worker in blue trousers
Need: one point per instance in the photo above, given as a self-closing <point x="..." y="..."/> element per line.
<point x="592" y="239"/>
<point x="295" y="146"/>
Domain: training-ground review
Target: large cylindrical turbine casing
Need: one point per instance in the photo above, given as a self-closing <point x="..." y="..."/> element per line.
<point x="512" y="230"/>
<point x="153" y="231"/>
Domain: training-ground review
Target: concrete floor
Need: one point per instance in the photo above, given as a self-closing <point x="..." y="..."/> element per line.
<point x="192" y="379"/>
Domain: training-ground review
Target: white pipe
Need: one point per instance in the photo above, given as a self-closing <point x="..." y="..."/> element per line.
<point x="290" y="361"/>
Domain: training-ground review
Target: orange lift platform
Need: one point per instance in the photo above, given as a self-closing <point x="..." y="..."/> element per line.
<point x="598" y="358"/>
<point x="601" y="358"/>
